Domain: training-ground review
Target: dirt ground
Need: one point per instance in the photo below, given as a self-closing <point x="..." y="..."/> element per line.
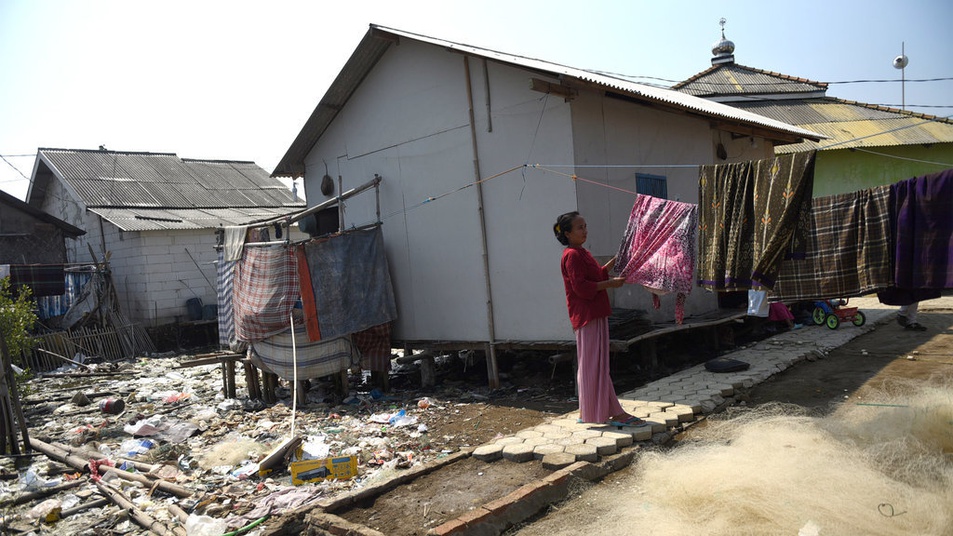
<point x="889" y="355"/>
<point x="465" y="413"/>
<point x="414" y="508"/>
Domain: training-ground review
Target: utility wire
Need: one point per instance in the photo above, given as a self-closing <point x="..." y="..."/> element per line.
<point x="2" y="157"/>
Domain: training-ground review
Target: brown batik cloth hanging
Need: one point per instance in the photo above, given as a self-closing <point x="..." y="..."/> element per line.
<point x="751" y="216"/>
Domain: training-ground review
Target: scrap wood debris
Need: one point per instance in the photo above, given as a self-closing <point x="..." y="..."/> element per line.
<point x="179" y="457"/>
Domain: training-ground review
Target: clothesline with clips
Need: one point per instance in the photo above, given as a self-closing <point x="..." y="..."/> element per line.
<point x="549" y="168"/>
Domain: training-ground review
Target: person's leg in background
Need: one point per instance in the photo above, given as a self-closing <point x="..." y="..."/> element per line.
<point x="907" y="317"/>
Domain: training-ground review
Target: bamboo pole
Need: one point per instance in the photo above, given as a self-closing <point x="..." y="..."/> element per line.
<point x="27" y="497"/>
<point x="178" y="512"/>
<point x="64" y="358"/>
<point x="96" y="455"/>
<point x="82" y="465"/>
<point x="138" y="515"/>
<point x="86" y="506"/>
<point x="168" y="487"/>
<point x="13" y="398"/>
<point x="59" y="454"/>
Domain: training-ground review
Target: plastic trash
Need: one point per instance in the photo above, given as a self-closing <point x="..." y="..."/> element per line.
<point x="396" y="417"/>
<point x="423" y="403"/>
<point x="197" y="525"/>
<point x="48" y="511"/>
<point x="245" y="471"/>
<point x="135" y="447"/>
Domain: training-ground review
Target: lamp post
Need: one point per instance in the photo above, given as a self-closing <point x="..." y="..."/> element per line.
<point x="900" y="62"/>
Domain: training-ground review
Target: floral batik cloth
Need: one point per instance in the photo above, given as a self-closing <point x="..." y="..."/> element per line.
<point x="658" y="249"/>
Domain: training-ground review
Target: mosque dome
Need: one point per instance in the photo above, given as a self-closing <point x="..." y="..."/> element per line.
<point x="723" y="50"/>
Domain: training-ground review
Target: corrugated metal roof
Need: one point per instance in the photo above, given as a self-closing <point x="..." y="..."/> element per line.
<point x="13" y="202"/>
<point x="876" y="133"/>
<point x="733" y="79"/>
<point x="164" y="181"/>
<point x="378" y="39"/>
<point x="850" y="124"/>
<point x="144" y="219"/>
<point x="847" y="124"/>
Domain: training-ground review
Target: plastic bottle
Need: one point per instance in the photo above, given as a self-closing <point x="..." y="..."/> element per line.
<point x="396" y="417"/>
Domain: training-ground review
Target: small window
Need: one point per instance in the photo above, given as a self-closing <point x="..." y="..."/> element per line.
<point x="653" y="185"/>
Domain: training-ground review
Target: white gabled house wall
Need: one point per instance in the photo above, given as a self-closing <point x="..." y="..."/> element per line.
<point x="152" y="271"/>
<point x="409" y="122"/>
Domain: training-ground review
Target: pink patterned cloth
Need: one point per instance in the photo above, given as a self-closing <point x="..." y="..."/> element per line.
<point x="265" y="291"/>
<point x="658" y="249"/>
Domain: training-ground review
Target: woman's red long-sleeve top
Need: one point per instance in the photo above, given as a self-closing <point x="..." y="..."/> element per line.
<point x="581" y="274"/>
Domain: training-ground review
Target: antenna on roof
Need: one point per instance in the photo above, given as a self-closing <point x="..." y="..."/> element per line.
<point x="900" y="62"/>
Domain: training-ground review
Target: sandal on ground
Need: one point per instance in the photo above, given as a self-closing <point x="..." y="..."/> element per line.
<point x="629" y="421"/>
<point x="914" y="326"/>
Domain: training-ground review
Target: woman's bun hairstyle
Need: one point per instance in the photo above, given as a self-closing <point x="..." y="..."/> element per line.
<point x="563" y="225"/>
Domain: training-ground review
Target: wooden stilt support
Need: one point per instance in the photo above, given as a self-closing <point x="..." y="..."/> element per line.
<point x="229" y="378"/>
<point x="269" y="383"/>
<point x="251" y="380"/>
<point x="11" y="413"/>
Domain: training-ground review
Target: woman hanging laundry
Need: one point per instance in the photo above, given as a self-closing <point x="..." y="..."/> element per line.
<point x="588" y="303"/>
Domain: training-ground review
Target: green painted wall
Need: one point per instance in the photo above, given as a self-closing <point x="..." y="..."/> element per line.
<point x="845" y="170"/>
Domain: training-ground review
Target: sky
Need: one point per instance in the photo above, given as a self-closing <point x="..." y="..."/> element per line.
<point x="236" y="80"/>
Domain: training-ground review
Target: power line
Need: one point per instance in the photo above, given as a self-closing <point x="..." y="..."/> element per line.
<point x="786" y="79"/>
<point x="14" y="167"/>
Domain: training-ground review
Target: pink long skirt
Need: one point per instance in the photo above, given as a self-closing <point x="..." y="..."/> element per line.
<point x="597" y="398"/>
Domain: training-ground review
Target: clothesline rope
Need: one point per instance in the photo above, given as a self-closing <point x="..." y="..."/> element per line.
<point x="575" y="177"/>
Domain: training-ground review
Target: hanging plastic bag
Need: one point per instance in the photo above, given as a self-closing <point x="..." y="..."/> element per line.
<point x="758" y="303"/>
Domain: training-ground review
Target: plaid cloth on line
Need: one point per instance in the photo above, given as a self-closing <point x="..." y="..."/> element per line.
<point x="225" y="280"/>
<point x="848" y="252"/>
<point x="315" y="359"/>
<point x="374" y="344"/>
<point x="266" y="289"/>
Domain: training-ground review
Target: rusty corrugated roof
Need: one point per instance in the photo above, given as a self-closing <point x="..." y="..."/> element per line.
<point x="798" y="101"/>
<point x="850" y="124"/>
<point x="732" y="79"/>
<point x="150" y="191"/>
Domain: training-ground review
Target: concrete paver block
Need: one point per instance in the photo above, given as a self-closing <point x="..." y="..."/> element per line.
<point x="643" y="433"/>
<point x="509" y="440"/>
<point x="518" y="453"/>
<point x="622" y="439"/>
<point x="664" y="417"/>
<point x="540" y="451"/>
<point x="566" y="441"/>
<point x="547" y="428"/>
<point x="583" y="452"/>
<point x="488" y="453"/>
<point x="685" y="413"/>
<point x="604" y="445"/>
<point x="529" y="434"/>
<point x="657" y="425"/>
<point x="558" y="460"/>
<point x="583" y="435"/>
<point x="537" y="441"/>
<point x="557" y="435"/>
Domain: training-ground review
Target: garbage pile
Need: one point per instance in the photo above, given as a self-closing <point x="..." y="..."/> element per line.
<point x="152" y="446"/>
